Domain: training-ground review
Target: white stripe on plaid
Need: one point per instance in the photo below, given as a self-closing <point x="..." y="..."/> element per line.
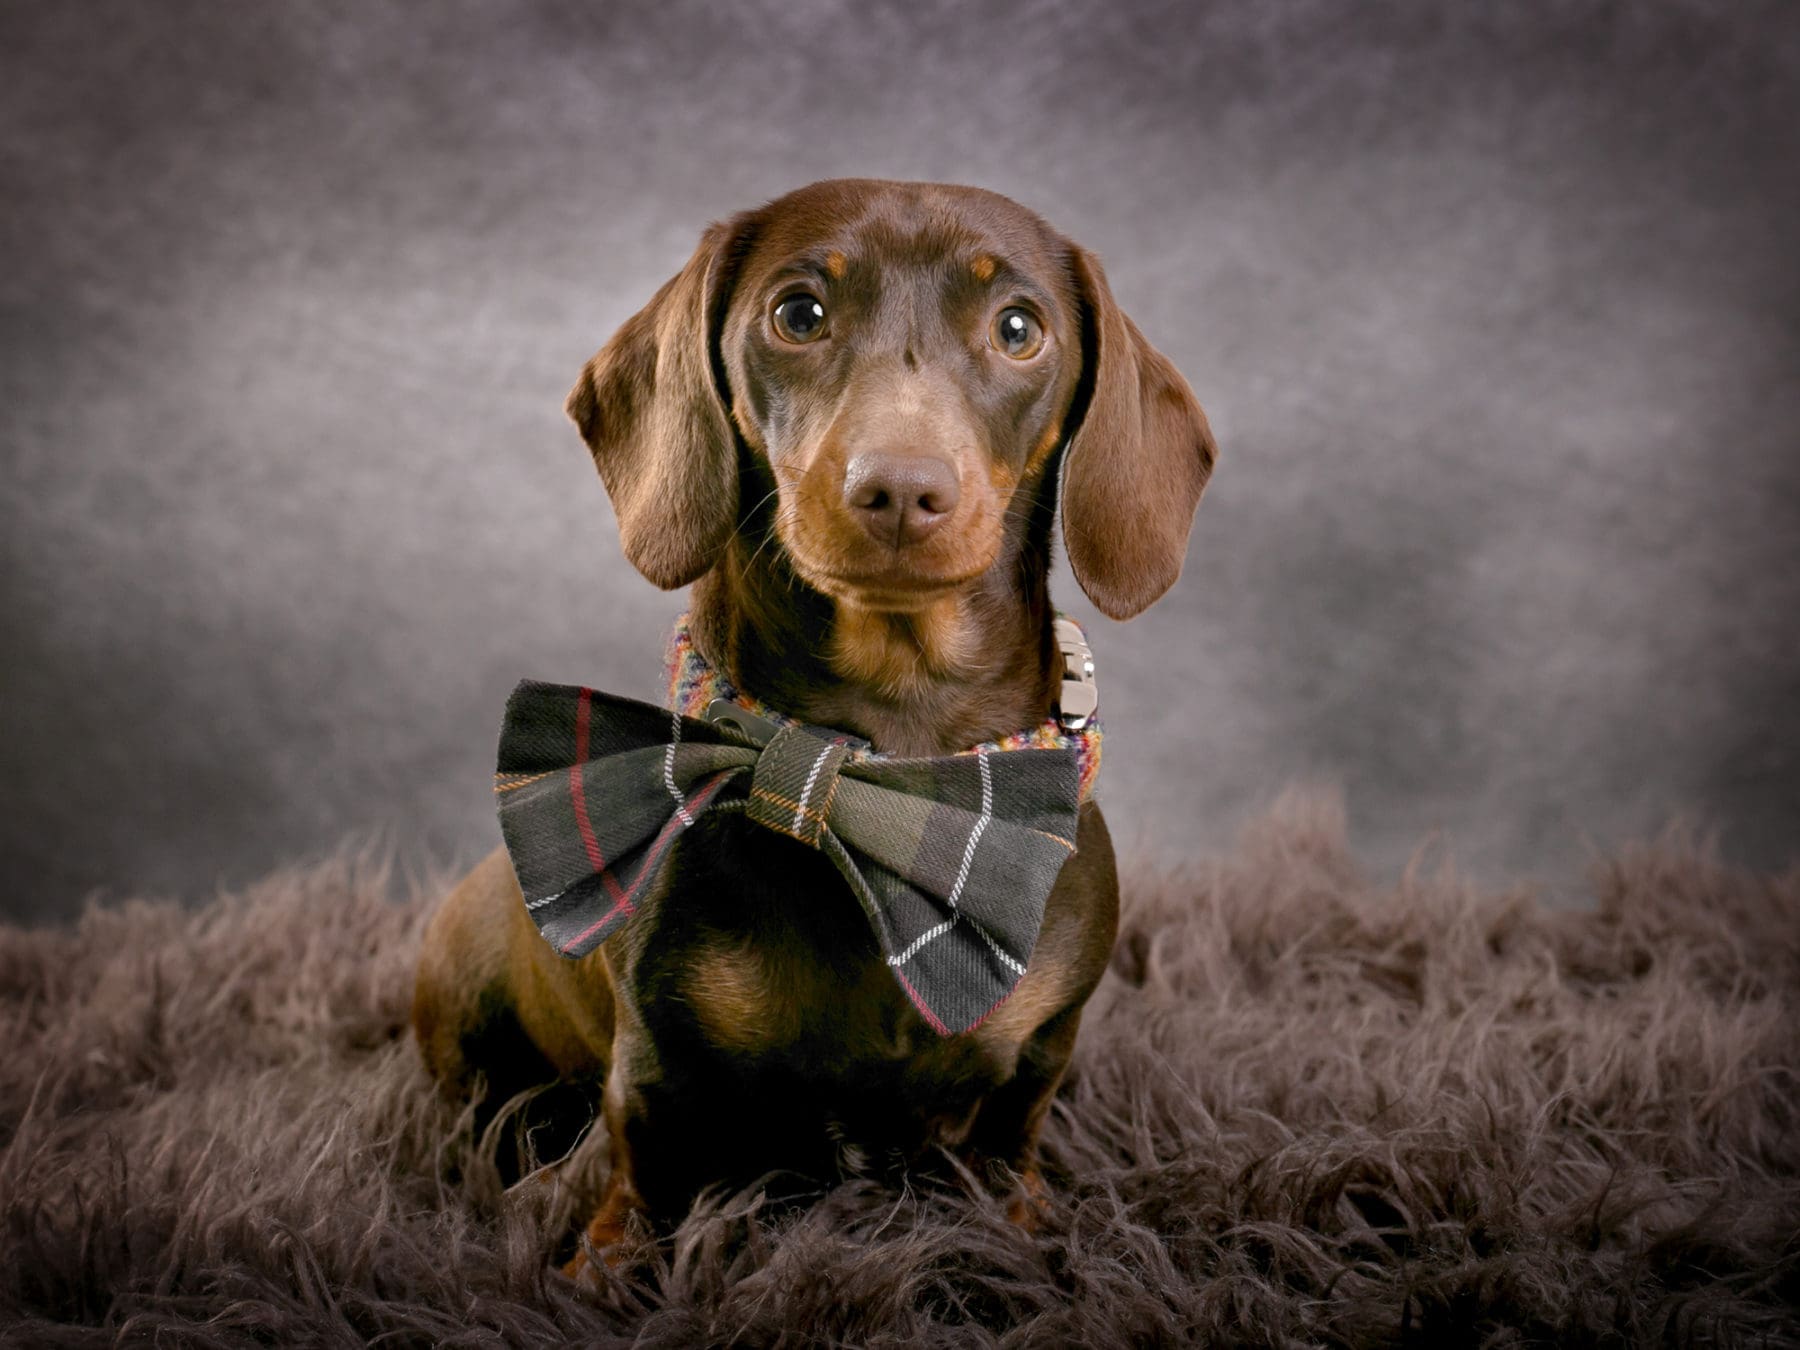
<point x="962" y="877"/>
<point x="547" y="900"/>
<point x="1006" y="958"/>
<point x="987" y="814"/>
<point x="669" y="772"/>
<point x="922" y="939"/>
<point x="805" y="792"/>
<point x="999" y="951"/>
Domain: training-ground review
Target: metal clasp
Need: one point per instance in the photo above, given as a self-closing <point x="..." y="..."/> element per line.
<point x="1080" y="698"/>
<point x="760" y="730"/>
<point x="740" y="719"/>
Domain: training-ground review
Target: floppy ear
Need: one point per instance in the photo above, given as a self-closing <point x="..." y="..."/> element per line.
<point x="1137" y="459"/>
<point x="651" y="406"/>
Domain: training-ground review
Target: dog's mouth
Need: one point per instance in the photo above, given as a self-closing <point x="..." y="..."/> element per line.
<point x="900" y="587"/>
<point x="843" y="543"/>
<point x="894" y="595"/>
<point x="852" y="570"/>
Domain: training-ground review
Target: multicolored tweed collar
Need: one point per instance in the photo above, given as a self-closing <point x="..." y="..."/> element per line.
<point x="951" y="857"/>
<point x="694" y="685"/>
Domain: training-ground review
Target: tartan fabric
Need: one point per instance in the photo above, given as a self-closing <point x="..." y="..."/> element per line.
<point x="951" y="857"/>
<point x="794" y="781"/>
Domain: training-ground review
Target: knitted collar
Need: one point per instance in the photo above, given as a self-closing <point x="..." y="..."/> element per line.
<point x="695" y="684"/>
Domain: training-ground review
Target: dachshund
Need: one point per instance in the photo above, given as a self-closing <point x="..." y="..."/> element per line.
<point x="845" y="423"/>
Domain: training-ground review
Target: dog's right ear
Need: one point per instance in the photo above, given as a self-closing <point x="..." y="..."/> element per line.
<point x="652" y="407"/>
<point x="1137" y="460"/>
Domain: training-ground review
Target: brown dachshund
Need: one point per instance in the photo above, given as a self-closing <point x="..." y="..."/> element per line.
<point x="844" y="421"/>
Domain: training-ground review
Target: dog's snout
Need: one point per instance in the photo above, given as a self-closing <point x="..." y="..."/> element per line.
<point x="899" y="499"/>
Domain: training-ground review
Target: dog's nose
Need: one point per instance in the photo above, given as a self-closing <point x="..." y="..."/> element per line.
<point x="900" y="498"/>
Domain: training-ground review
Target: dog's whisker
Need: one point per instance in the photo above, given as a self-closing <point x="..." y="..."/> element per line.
<point x="761" y="502"/>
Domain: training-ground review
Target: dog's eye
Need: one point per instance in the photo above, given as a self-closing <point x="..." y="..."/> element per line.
<point x="1017" y="332"/>
<point x="799" y="318"/>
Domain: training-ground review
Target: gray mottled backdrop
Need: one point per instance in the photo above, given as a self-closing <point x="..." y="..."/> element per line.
<point x="1494" y="308"/>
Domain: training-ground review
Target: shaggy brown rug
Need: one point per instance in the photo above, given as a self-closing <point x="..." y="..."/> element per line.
<point x="1307" y="1111"/>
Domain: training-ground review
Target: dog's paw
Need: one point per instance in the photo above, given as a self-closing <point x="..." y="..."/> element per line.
<point x="610" y="1235"/>
<point x="1028" y="1207"/>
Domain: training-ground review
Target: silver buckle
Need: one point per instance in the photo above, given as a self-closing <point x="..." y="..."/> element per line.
<point x="1080" y="698"/>
<point x="725" y="713"/>
<point x="760" y="731"/>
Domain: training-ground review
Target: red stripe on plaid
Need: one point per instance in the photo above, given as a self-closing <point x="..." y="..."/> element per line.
<point x="622" y="903"/>
<point x="991" y="1011"/>
<point x="919" y="1003"/>
<point x="577" y="793"/>
<point x="623" y="900"/>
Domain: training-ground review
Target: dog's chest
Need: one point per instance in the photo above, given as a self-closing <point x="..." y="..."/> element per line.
<point x="762" y="956"/>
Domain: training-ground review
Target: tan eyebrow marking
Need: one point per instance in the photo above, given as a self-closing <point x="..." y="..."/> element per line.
<point x="983" y="268"/>
<point x="834" y="265"/>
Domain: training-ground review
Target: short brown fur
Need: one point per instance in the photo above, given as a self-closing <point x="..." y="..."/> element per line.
<point x="726" y="448"/>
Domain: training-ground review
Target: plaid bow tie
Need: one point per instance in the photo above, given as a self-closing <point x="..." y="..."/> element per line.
<point x="951" y="857"/>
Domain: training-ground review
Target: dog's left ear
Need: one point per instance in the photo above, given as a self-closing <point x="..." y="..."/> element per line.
<point x="651" y="406"/>
<point x="1137" y="459"/>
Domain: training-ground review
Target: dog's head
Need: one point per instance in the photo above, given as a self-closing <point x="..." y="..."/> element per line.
<point x="906" y="359"/>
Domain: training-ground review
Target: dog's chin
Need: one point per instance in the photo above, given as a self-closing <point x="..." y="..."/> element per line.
<point x="889" y="583"/>
<point x="895" y="589"/>
<point x="899" y="600"/>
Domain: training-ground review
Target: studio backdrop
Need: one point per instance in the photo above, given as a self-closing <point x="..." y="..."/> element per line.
<point x="1493" y="308"/>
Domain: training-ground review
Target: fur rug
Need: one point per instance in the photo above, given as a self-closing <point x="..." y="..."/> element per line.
<point x="1307" y="1111"/>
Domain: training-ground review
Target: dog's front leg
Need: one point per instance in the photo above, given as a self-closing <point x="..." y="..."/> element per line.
<point x="1002" y="1148"/>
<point x="621" y="1114"/>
